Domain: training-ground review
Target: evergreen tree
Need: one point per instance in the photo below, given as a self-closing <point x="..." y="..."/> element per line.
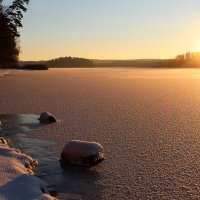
<point x="8" y="48"/>
<point x="14" y="15"/>
<point x="10" y="21"/>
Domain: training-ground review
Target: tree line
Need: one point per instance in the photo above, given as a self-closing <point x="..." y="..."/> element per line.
<point x="10" y="22"/>
<point x="66" y="62"/>
<point x="61" y="62"/>
<point x="189" y="59"/>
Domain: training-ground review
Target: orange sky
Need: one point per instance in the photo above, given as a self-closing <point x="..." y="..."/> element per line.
<point x="111" y="29"/>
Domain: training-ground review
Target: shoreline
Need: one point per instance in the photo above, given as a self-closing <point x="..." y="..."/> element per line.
<point x="17" y="176"/>
<point x="5" y="72"/>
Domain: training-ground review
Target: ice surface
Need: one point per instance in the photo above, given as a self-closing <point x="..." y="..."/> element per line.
<point x="16" y="176"/>
<point x="149" y="129"/>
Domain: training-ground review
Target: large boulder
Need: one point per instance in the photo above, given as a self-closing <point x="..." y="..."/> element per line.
<point x="47" y="117"/>
<point x="82" y="153"/>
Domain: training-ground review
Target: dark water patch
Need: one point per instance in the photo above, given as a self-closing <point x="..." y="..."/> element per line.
<point x="67" y="182"/>
<point x="73" y="180"/>
<point x="18" y="124"/>
<point x="16" y="128"/>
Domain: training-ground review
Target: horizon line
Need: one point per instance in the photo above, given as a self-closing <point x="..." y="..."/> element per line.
<point x="111" y="59"/>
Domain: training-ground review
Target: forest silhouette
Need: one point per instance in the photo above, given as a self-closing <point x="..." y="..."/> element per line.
<point x="10" y="21"/>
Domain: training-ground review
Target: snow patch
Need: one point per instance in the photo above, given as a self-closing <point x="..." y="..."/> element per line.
<point x="4" y="73"/>
<point x="16" y="176"/>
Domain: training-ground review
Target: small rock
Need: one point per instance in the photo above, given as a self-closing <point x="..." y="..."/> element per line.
<point x="46" y="117"/>
<point x="82" y="153"/>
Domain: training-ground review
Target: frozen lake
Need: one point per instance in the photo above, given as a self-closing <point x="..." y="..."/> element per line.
<point x="147" y="120"/>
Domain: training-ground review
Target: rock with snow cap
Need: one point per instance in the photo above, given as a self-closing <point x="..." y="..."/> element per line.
<point x="82" y="153"/>
<point x="47" y="117"/>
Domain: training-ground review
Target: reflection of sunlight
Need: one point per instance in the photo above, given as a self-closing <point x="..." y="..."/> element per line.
<point x="162" y="74"/>
<point x="197" y="73"/>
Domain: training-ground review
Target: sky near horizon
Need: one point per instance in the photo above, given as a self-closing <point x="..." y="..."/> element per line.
<point x="110" y="29"/>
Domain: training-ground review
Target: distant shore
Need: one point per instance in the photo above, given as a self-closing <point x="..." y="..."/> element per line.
<point x="135" y="63"/>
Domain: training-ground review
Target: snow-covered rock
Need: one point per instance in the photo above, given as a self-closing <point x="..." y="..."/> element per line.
<point x="82" y="153"/>
<point x="47" y="117"/>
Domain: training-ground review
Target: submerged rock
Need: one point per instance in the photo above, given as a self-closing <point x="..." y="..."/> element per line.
<point x="82" y="153"/>
<point x="47" y="117"/>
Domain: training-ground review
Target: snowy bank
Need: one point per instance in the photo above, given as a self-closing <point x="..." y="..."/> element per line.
<point x="4" y="73"/>
<point x="16" y="176"/>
